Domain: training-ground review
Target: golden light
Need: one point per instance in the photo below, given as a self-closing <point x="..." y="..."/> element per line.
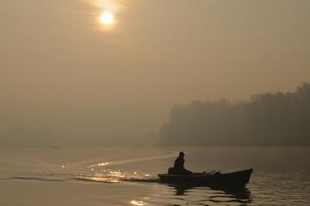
<point x="138" y="203"/>
<point x="107" y="18"/>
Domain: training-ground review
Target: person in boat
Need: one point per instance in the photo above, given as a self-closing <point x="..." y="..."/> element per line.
<point x="179" y="168"/>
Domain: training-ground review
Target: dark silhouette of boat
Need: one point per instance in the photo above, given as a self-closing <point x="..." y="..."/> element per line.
<point x="232" y="179"/>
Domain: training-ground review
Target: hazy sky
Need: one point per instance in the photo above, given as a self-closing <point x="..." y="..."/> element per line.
<point x="62" y="68"/>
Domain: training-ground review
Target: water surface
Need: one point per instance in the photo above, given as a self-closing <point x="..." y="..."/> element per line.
<point x="128" y="176"/>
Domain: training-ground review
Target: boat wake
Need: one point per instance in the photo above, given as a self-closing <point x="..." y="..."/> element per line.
<point x="37" y="179"/>
<point x="87" y="178"/>
<point x="101" y="178"/>
<point x="95" y="171"/>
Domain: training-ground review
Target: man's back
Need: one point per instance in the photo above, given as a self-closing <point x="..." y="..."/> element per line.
<point x="179" y="163"/>
<point x="178" y="168"/>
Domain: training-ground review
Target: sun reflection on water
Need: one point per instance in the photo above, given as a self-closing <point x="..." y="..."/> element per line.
<point x="104" y="163"/>
<point x="138" y="203"/>
<point x="101" y="164"/>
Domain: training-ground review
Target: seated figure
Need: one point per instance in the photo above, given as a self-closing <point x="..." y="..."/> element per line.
<point x="178" y="168"/>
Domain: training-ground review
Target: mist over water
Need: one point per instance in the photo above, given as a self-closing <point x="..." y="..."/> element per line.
<point x="60" y="71"/>
<point x="87" y="85"/>
<point x="128" y="176"/>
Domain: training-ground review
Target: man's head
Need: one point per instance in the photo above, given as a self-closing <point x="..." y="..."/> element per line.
<point x="181" y="154"/>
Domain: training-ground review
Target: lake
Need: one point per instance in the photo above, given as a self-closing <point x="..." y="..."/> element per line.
<point x="128" y="176"/>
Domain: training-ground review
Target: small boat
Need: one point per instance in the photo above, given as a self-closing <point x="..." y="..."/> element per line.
<point x="232" y="179"/>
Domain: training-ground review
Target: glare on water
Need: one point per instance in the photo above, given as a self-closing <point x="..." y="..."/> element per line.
<point x="127" y="176"/>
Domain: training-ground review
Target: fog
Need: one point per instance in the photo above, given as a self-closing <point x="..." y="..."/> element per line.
<point x="267" y="119"/>
<point x="64" y="76"/>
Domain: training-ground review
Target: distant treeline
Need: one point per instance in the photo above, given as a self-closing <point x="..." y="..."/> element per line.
<point x="267" y="119"/>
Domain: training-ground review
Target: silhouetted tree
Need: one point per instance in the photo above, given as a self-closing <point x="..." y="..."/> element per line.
<point x="267" y="119"/>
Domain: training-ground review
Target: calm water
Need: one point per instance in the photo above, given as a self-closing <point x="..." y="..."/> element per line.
<point x="128" y="176"/>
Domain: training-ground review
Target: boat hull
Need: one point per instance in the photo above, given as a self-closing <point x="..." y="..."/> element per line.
<point x="239" y="178"/>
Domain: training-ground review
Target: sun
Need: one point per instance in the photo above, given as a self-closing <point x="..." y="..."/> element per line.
<point x="107" y="18"/>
